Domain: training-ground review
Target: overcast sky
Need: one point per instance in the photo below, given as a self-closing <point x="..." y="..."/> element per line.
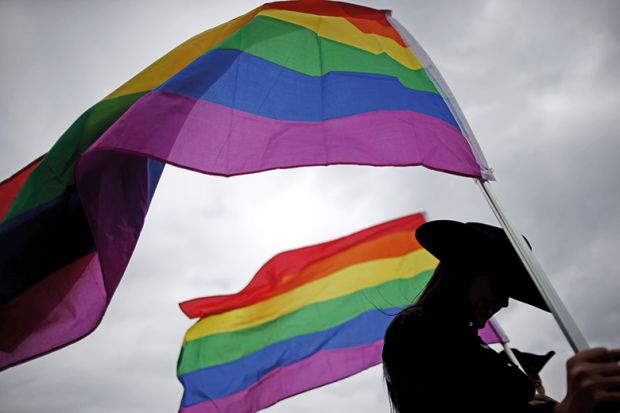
<point x="537" y="80"/>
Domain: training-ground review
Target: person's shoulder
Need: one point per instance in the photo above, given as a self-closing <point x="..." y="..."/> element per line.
<point x="423" y="326"/>
<point x="415" y="314"/>
<point x="410" y="321"/>
<point x="415" y="338"/>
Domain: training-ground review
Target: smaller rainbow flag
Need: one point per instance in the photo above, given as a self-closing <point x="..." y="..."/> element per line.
<point x="309" y="317"/>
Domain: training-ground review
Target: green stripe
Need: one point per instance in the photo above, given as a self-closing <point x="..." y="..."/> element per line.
<point x="222" y="348"/>
<point x="296" y="48"/>
<point x="55" y="173"/>
<point x="280" y="42"/>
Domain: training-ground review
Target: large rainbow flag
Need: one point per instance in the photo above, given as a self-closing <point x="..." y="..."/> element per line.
<point x="308" y="317"/>
<point x="288" y="84"/>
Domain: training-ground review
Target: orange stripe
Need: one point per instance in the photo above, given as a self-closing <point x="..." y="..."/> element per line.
<point x="291" y="269"/>
<point x="390" y="246"/>
<point x="10" y="187"/>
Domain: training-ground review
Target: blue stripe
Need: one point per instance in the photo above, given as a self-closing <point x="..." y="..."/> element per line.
<point x="41" y="241"/>
<point x="47" y="238"/>
<point x="220" y="381"/>
<point x="155" y="169"/>
<point x="248" y="83"/>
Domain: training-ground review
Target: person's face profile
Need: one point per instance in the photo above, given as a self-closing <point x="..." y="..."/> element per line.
<point x="485" y="297"/>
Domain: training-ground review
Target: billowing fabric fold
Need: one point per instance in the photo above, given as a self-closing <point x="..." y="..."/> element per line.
<point x="288" y="84"/>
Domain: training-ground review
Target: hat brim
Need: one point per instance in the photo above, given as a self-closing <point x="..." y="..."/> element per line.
<point x="483" y="246"/>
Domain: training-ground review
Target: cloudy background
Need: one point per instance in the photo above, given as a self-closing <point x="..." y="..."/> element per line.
<point x="537" y="80"/>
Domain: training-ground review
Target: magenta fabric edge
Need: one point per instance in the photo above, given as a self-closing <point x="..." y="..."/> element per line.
<point x="112" y="175"/>
<point x="77" y="300"/>
<point x="197" y="135"/>
<point x="315" y="371"/>
<point x="490" y="335"/>
<point x="112" y="185"/>
<point x="193" y="169"/>
<point x="444" y="90"/>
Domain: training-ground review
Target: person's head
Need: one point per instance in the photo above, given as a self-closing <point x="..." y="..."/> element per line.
<point x="478" y="270"/>
<point x="465" y="291"/>
<point x="485" y="296"/>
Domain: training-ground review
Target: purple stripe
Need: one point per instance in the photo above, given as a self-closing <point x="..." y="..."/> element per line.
<point x="322" y="368"/>
<point x="492" y="333"/>
<point x="114" y="189"/>
<point x="113" y="175"/>
<point x="215" y="139"/>
<point x="57" y="311"/>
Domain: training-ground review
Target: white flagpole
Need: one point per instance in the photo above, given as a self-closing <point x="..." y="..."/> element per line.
<point x="568" y="326"/>
<point x="564" y="319"/>
<point x="511" y="356"/>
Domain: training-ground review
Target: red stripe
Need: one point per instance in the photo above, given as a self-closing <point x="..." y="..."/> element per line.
<point x="291" y="269"/>
<point x="366" y="19"/>
<point x="10" y="187"/>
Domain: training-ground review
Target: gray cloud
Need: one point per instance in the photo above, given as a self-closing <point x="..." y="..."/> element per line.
<point x="536" y="80"/>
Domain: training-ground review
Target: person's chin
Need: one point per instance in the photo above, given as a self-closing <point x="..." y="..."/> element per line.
<point x="480" y="322"/>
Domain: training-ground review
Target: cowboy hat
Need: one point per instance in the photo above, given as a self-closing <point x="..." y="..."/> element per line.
<point x="483" y="246"/>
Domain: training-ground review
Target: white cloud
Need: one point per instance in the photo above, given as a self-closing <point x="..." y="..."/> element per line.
<point x="536" y="80"/>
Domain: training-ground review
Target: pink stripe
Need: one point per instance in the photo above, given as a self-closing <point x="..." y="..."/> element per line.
<point x="492" y="333"/>
<point x="215" y="139"/>
<point x="322" y="368"/>
<point x="114" y="189"/>
<point x="112" y="175"/>
<point x="55" y="312"/>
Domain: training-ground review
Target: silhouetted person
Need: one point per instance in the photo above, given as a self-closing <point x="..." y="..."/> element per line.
<point x="434" y="360"/>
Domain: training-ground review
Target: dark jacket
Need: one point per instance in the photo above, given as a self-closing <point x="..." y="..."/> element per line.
<point x="438" y="364"/>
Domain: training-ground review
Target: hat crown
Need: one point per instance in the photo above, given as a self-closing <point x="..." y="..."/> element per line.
<point x="484" y="246"/>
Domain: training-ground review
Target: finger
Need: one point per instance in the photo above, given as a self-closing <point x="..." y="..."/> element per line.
<point x="598" y="354"/>
<point x="606" y="396"/>
<point x="614" y="354"/>
<point x="610" y="384"/>
<point x="604" y="369"/>
<point x="544" y="398"/>
<point x="600" y="368"/>
<point x="592" y="354"/>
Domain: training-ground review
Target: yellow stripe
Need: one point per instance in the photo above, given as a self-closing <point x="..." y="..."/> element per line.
<point x="338" y="284"/>
<point x="334" y="28"/>
<point x="181" y="56"/>
<point x="340" y="30"/>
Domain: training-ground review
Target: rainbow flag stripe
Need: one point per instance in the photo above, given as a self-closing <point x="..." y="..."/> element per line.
<point x="289" y="84"/>
<point x="321" y="309"/>
<point x="309" y="317"/>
